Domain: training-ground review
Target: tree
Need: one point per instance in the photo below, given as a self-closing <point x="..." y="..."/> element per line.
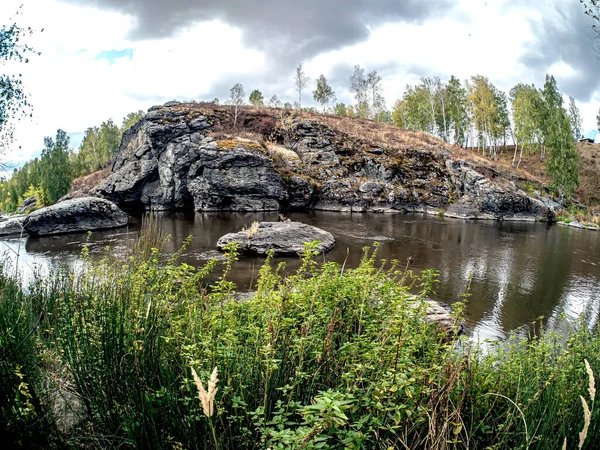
<point x="56" y="171"/>
<point x="256" y="98"/>
<point x="324" y="93"/>
<point x="552" y="107"/>
<point x="400" y="114"/>
<point x="592" y="9"/>
<point x="526" y="105"/>
<point x="457" y="111"/>
<point x="130" y="120"/>
<point x="562" y="165"/>
<point x="236" y="100"/>
<point x="274" y="102"/>
<point x="13" y="100"/>
<point x="575" y="119"/>
<point x="360" y="88"/>
<point x="563" y="162"/>
<point x="340" y="109"/>
<point x="215" y="101"/>
<point x="301" y="81"/>
<point x="377" y="101"/>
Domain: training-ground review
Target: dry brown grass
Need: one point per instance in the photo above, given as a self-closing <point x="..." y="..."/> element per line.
<point x="258" y="125"/>
<point x="252" y="230"/>
<point x="87" y="182"/>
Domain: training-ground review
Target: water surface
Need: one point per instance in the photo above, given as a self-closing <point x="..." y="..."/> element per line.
<point x="519" y="271"/>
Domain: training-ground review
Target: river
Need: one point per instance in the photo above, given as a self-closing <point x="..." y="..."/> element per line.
<point x="519" y="271"/>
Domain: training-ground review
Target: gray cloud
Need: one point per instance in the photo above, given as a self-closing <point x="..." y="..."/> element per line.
<point x="289" y="30"/>
<point x="564" y="35"/>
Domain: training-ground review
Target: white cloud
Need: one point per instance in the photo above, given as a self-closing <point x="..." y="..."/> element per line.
<point x="72" y="88"/>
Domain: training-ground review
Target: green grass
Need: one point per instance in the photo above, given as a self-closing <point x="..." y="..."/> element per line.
<point x="325" y="358"/>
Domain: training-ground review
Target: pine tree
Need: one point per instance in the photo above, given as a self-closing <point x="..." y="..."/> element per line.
<point x="256" y="98"/>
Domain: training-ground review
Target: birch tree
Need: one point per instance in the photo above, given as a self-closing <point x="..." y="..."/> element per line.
<point x="575" y="119"/>
<point x="323" y="94"/>
<point x="457" y="113"/>
<point x="301" y="81"/>
<point x="360" y="88"/>
<point x="236" y="100"/>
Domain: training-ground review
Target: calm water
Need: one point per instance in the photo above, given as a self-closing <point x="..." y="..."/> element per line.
<point x="520" y="271"/>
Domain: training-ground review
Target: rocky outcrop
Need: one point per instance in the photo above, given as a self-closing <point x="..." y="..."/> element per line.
<point x="176" y="158"/>
<point x="284" y="238"/>
<point x="28" y="204"/>
<point x="13" y="226"/>
<point x="75" y="215"/>
<point x="482" y="197"/>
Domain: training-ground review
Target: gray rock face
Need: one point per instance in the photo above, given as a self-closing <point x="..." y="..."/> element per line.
<point x="166" y="162"/>
<point x="483" y="198"/>
<point x="284" y="238"/>
<point x="75" y="215"/>
<point x="13" y="226"/>
<point x="239" y="179"/>
<point x="171" y="160"/>
<point x="28" y="204"/>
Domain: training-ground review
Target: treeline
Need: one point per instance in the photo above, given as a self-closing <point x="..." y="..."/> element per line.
<point x="49" y="177"/>
<point x="473" y="113"/>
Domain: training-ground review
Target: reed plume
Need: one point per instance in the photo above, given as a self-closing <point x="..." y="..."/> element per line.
<point x="207" y="399"/>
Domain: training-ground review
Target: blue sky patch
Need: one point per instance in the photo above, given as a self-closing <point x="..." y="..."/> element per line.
<point x="112" y="55"/>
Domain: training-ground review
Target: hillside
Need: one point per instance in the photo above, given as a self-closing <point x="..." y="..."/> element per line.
<point x="199" y="156"/>
<point x="588" y="192"/>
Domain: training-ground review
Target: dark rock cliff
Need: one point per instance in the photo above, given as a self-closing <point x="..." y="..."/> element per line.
<point x="186" y="156"/>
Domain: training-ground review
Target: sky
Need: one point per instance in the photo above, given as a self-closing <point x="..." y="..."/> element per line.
<point x="102" y="59"/>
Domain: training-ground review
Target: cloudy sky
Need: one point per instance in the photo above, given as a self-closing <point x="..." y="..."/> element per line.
<point x="104" y="58"/>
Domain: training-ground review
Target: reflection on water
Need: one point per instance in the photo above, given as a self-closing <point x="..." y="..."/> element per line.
<point x="519" y="271"/>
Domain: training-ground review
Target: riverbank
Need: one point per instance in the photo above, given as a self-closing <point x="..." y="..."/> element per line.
<point x="326" y="357"/>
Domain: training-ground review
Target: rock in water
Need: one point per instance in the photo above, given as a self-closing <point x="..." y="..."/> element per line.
<point x="75" y="215"/>
<point x="13" y="226"/>
<point x="284" y="238"/>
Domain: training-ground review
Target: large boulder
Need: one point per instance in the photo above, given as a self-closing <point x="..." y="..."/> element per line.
<point x="284" y="238"/>
<point x="13" y="226"/>
<point x="75" y="215"/>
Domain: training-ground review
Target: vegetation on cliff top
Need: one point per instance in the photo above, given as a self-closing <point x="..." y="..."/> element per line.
<point x="324" y="358"/>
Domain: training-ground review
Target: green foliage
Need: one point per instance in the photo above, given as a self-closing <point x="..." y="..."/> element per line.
<point x="575" y="119"/>
<point x="132" y="118"/>
<point x="56" y="173"/>
<point x="98" y="147"/>
<point x="324" y="93"/>
<point x="256" y="98"/>
<point x="325" y="358"/>
<point x="527" y="107"/>
<point x="24" y="421"/>
<point x="458" y="119"/>
<point x="340" y="109"/>
<point x="13" y="100"/>
<point x="563" y="162"/>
